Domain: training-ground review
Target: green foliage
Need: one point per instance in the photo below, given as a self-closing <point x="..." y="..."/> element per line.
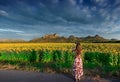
<point x="24" y="56"/>
<point x="102" y="58"/>
<point x="105" y="62"/>
<point x="47" y="57"/>
<point x="39" y="57"/>
<point x="59" y="60"/>
<point x="32" y="56"/>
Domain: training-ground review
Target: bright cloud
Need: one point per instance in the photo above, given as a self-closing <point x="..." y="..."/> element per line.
<point x="10" y="30"/>
<point x="3" y="13"/>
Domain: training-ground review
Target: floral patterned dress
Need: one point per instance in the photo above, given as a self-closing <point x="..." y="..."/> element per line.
<point x="78" y="67"/>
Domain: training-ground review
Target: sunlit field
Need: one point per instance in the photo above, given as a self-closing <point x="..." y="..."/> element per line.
<point x="100" y="58"/>
<point x="113" y="48"/>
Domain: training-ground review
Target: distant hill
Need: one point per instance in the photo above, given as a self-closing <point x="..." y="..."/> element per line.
<point x="11" y="40"/>
<point x="95" y="38"/>
<point x="56" y="38"/>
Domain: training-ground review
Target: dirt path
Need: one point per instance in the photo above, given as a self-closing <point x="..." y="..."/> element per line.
<point x="22" y="76"/>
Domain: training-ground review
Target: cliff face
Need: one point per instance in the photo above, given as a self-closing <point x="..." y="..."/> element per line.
<point x="55" y="35"/>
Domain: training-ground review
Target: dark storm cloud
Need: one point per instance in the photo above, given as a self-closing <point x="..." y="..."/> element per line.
<point x="76" y="17"/>
<point x="45" y="11"/>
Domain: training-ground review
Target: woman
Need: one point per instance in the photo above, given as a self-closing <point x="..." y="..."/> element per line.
<point x="78" y="65"/>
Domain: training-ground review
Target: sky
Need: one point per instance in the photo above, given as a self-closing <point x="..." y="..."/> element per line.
<point x="28" y="19"/>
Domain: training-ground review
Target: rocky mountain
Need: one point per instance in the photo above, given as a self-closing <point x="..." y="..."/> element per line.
<point x="95" y="38"/>
<point x="56" y="38"/>
<point x="55" y="35"/>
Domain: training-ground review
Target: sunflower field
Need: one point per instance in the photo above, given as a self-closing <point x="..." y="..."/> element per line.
<point x="59" y="56"/>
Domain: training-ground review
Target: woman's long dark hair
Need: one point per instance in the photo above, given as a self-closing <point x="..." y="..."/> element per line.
<point x="78" y="48"/>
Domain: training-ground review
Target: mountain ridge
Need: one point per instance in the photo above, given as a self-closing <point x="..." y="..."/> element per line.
<point x="56" y="38"/>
